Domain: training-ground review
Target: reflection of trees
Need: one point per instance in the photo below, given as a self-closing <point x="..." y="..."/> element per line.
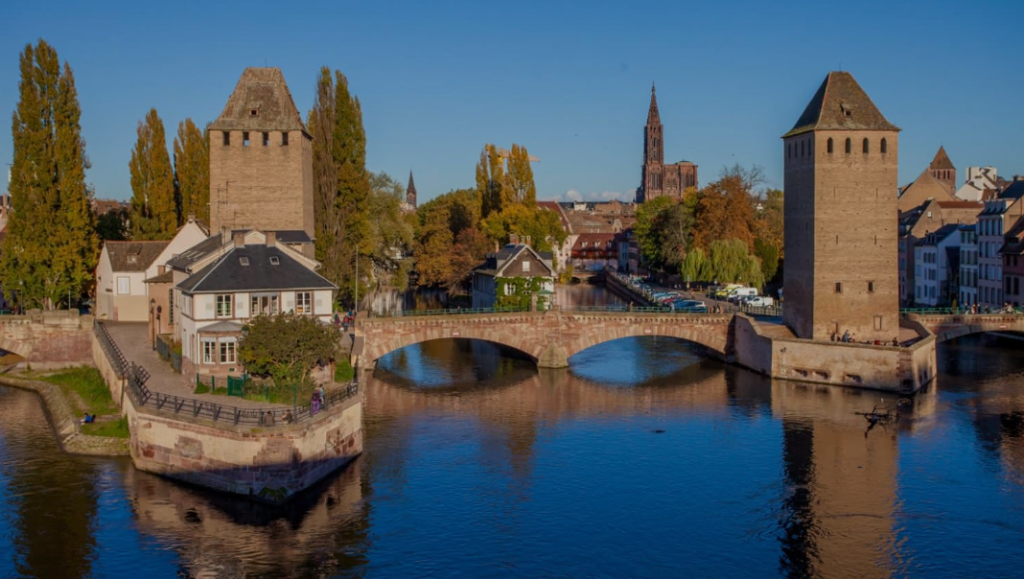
<point x="53" y="500"/>
<point x="324" y="531"/>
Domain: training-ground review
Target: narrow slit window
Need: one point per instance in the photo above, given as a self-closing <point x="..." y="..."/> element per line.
<point x="227" y="138"/>
<point x="839" y="287"/>
<point x="865" y="146"/>
<point x="830" y="145"/>
<point x="245" y="138"/>
<point x="884" y="146"/>
<point x="849" y="145"/>
<point x="284" y="139"/>
<point x="871" y="287"/>
<point x="266" y="139"/>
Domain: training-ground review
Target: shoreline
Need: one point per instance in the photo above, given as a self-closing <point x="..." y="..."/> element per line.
<point x="63" y="422"/>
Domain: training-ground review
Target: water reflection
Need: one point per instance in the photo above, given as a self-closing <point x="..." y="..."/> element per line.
<point x="477" y="464"/>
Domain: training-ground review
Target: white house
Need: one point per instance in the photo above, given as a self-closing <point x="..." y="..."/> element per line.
<point x="124" y="266"/>
<point x="222" y="285"/>
<point x="979" y="180"/>
<point x="936" y="260"/>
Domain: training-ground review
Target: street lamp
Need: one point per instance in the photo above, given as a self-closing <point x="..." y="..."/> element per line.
<point x="152" y="325"/>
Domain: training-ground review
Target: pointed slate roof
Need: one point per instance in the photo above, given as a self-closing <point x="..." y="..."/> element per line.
<point x="941" y="160"/>
<point x="264" y="92"/>
<point x="410" y="192"/>
<point x="652" y="112"/>
<point x="839" y="104"/>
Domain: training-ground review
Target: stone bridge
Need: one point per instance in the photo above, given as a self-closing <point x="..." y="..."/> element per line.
<point x="47" y="339"/>
<point x="949" y="326"/>
<point x="550" y="338"/>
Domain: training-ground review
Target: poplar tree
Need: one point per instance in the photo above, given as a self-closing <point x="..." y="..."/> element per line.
<point x="153" y="213"/>
<point x="339" y="138"/>
<point x="192" y="171"/>
<point x="50" y="251"/>
<point x="520" y="187"/>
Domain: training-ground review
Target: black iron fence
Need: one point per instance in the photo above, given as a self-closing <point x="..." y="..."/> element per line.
<point x="114" y="355"/>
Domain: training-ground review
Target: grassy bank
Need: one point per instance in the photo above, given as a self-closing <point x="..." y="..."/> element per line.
<point x="87" y="392"/>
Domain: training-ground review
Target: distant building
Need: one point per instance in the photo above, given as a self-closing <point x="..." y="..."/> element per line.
<point x="261" y="168"/>
<point x="923" y="189"/>
<point x="916" y="224"/>
<point x="410" y="196"/>
<point x="998" y="216"/>
<point x="656" y="178"/>
<point x="968" y="265"/>
<point x="841" y="256"/>
<point x="594" y="252"/>
<point x="981" y="185"/>
<point x="563" y="251"/>
<point x="942" y="169"/>
<point x="1012" y="253"/>
<point x="514" y="260"/>
<point x="937" y="259"/>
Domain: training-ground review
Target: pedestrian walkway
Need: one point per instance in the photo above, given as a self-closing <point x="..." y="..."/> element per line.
<point x="134" y="341"/>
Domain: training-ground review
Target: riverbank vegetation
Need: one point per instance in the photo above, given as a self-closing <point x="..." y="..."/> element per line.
<point x="88" y="393"/>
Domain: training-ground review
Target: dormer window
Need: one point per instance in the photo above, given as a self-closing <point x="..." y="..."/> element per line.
<point x="244" y="261"/>
<point x="274" y="260"/>
<point x="254" y="112"/>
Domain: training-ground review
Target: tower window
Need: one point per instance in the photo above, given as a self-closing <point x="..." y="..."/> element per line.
<point x="871" y="287"/>
<point x="284" y="138"/>
<point x="865" y="146"/>
<point x="789" y="150"/>
<point x="830" y="145"/>
<point x="839" y="287"/>
<point x="254" y="112"/>
<point x="885" y="147"/>
<point x="266" y="139"/>
<point x="849" y="145"/>
<point x="227" y="138"/>
<point x="245" y="138"/>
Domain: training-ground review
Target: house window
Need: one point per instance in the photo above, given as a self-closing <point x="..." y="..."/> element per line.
<point x="227" y="352"/>
<point x="865" y="146"/>
<point x="284" y="139"/>
<point x="274" y="260"/>
<point x="871" y="287"/>
<point x="209" y="351"/>
<point x="849" y="145"/>
<point x="303" y="303"/>
<point x="227" y="138"/>
<point x="266" y="139"/>
<point x="224" y="309"/>
<point x="830" y="145"/>
<point x="170" y="306"/>
<point x="839" y="287"/>
<point x="526" y="267"/>
<point x="264" y="305"/>
<point x="123" y="286"/>
<point x="884" y="146"/>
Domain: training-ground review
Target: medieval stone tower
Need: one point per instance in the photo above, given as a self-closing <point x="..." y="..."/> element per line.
<point x="261" y="159"/>
<point x="656" y="178"/>
<point x="841" y="219"/>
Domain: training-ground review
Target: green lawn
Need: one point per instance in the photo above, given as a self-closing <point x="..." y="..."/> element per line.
<point x="343" y="371"/>
<point x="87" y="392"/>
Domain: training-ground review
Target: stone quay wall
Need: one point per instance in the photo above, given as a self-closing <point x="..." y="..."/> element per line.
<point x="267" y="463"/>
<point x="890" y="368"/>
<point x="48" y="339"/>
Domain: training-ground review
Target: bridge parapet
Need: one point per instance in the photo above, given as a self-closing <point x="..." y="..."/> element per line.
<point x="48" y="339"/>
<point x="952" y="324"/>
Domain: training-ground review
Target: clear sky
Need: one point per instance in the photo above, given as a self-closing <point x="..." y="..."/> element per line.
<point x="570" y="80"/>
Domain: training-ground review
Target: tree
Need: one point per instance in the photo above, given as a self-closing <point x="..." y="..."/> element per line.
<point x="470" y="249"/>
<point x="192" y="171"/>
<point x="341" y="184"/>
<point x="286" y="347"/>
<point x="731" y="262"/>
<point x="154" y="212"/>
<point x="676" y="226"/>
<point x="434" y="246"/>
<point x="724" y="211"/>
<point x="543" y="227"/>
<point x="490" y="180"/>
<point x="768" y="253"/>
<point x="696" y="267"/>
<point x="769" y="222"/>
<point x="390" y="234"/>
<point x="113" y="225"/>
<point x="50" y="250"/>
<point x="648" y="231"/>
<point x="519" y="187"/>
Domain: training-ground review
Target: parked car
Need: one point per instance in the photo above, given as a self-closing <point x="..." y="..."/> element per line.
<point x="759" y="302"/>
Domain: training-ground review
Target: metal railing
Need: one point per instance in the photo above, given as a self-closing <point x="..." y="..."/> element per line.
<point x="960" y="312"/>
<point x="455" y="312"/>
<point x="114" y="355"/>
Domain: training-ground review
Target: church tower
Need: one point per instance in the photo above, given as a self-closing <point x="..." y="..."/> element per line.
<point x="261" y="159"/>
<point x="841" y="269"/>
<point x="942" y="169"/>
<point x="410" y="192"/>
<point x="654" y="156"/>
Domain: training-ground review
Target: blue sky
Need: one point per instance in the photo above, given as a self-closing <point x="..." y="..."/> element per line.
<point x="570" y="80"/>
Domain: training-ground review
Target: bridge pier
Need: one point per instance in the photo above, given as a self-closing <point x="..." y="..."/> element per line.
<point x="553" y="356"/>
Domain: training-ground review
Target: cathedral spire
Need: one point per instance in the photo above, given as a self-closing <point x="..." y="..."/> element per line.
<point x="410" y="192"/>
<point x="652" y="112"/>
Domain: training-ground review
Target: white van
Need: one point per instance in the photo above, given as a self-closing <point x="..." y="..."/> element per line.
<point x="741" y="292"/>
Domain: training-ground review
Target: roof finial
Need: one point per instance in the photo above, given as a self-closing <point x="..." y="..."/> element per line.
<point x="652" y="87"/>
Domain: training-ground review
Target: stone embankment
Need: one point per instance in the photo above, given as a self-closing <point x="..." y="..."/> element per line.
<point x="65" y="423"/>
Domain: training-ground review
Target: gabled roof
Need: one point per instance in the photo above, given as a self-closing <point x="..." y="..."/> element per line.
<point x="840" y="104"/>
<point x="941" y="160"/>
<point x="133" y="255"/>
<point x="593" y="240"/>
<point x="496" y="263"/>
<point x="183" y="260"/>
<point x="264" y="91"/>
<point x="252" y="268"/>
<point x="939" y="235"/>
<point x="1014" y="191"/>
<point x="925" y="187"/>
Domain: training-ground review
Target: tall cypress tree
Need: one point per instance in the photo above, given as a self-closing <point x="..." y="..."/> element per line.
<point x="192" y="171"/>
<point x="341" y="184"/>
<point x="154" y="213"/>
<point x="51" y="248"/>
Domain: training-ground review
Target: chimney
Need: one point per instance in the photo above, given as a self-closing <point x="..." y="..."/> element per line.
<point x="192" y="217"/>
<point x="271" y="238"/>
<point x="239" y="238"/>
<point x="513" y="239"/>
<point x="161" y="269"/>
<point x="527" y="241"/>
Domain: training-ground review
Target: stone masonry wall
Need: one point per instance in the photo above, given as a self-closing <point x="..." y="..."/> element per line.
<point x="48" y="340"/>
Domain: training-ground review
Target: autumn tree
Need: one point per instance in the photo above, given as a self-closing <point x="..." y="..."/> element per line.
<point x="731" y="262"/>
<point x="192" y="171"/>
<point x="647" y="228"/>
<point x="724" y="211"/>
<point x="519" y="186"/>
<point x="490" y="180"/>
<point x="470" y="249"/>
<point x="154" y="213"/>
<point x="341" y="184"/>
<point x="390" y="235"/>
<point x="50" y="250"/>
<point x="434" y="245"/>
<point x="543" y="227"/>
<point x="287" y="347"/>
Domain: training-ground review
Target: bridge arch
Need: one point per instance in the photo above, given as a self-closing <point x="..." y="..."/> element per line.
<point x="710" y="336"/>
<point x="952" y="326"/>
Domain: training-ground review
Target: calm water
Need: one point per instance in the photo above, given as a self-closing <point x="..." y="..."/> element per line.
<point x="643" y="460"/>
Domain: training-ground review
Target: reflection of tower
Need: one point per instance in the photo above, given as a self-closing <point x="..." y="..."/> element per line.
<point x="839" y="514"/>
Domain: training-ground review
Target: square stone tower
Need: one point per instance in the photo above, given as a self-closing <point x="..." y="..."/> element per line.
<point x="841" y="270"/>
<point x="261" y="159"/>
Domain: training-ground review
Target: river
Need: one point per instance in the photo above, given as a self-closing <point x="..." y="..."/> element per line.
<point x="644" y="459"/>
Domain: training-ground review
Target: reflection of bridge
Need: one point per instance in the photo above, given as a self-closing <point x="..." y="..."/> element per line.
<point x="952" y="324"/>
<point x="550" y="338"/>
